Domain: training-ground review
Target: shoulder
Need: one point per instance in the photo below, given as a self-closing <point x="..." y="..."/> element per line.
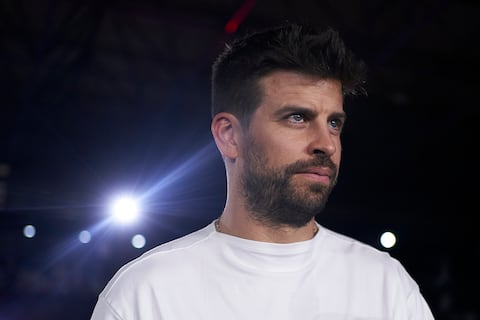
<point x="364" y="259"/>
<point x="342" y="245"/>
<point x="378" y="276"/>
<point x="185" y="242"/>
<point x="157" y="261"/>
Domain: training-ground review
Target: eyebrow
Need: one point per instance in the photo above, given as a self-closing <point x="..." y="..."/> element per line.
<point x="339" y="115"/>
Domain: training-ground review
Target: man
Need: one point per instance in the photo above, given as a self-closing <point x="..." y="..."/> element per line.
<point x="277" y="104"/>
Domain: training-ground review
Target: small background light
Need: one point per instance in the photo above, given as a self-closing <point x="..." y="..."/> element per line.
<point x="29" y="231"/>
<point x="84" y="236"/>
<point x="138" y="241"/>
<point x="388" y="239"/>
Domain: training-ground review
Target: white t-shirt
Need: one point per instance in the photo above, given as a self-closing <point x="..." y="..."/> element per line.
<point x="211" y="275"/>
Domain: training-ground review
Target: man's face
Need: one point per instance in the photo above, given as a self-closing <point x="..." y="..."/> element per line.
<point x="291" y="151"/>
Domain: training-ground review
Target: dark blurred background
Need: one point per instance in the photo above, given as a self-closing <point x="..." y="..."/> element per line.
<point x="104" y="97"/>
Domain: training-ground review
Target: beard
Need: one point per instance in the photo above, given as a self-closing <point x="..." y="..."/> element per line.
<point x="274" y="198"/>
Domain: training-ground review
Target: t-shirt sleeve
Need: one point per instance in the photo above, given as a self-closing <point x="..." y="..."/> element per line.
<point x="103" y="311"/>
<point x="418" y="308"/>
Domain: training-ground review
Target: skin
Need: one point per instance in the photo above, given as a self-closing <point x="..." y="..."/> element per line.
<point x="299" y="117"/>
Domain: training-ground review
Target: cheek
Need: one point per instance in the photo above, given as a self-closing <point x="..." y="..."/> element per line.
<point x="282" y="151"/>
<point x="337" y="159"/>
<point x="337" y="156"/>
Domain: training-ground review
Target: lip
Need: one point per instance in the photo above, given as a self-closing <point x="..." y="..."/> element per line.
<point x="320" y="174"/>
<point x="321" y="171"/>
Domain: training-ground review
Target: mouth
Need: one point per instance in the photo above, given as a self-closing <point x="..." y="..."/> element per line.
<point x="317" y="174"/>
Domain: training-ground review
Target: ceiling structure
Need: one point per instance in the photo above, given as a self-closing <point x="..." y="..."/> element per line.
<point x="103" y="95"/>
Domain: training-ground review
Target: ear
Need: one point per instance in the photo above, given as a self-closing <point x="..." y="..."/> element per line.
<point x="226" y="131"/>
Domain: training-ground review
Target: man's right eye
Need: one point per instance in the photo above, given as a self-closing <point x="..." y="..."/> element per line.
<point x="297" y="117"/>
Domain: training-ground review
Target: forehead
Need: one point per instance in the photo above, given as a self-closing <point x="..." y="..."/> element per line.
<point x="284" y="87"/>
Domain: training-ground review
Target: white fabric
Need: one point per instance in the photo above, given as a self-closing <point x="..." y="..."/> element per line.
<point x="211" y="275"/>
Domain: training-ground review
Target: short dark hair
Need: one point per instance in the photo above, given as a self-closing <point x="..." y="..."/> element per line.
<point x="312" y="50"/>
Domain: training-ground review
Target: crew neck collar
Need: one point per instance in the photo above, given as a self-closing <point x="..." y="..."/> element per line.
<point x="267" y="257"/>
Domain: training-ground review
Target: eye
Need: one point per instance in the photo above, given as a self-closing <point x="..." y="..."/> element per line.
<point x="297" y="118"/>
<point x="336" y="124"/>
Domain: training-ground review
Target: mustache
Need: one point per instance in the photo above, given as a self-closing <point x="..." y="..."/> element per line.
<point x="320" y="161"/>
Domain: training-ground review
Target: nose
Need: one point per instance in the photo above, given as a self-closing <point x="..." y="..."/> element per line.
<point x="323" y="141"/>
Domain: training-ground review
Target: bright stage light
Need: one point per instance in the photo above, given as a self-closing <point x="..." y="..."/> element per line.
<point x="125" y="209"/>
<point x="388" y="239"/>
